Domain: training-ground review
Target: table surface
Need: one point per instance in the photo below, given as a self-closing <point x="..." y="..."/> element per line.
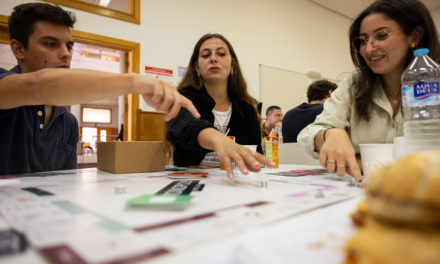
<point x="82" y="216"/>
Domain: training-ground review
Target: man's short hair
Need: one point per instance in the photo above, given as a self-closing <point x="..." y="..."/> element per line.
<point x="271" y="108"/>
<point x="23" y="18"/>
<point x="319" y="90"/>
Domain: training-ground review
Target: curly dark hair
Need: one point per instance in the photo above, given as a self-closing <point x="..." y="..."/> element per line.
<point x="22" y="20"/>
<point x="410" y="15"/>
<point x="319" y="90"/>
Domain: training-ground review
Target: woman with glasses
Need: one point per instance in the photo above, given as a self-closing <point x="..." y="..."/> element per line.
<point x="366" y="107"/>
<point x="215" y="85"/>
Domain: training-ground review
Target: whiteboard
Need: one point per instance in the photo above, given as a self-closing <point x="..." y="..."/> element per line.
<point x="281" y="87"/>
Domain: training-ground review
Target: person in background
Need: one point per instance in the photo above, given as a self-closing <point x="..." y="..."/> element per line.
<point x="366" y="107"/>
<point x="299" y="117"/>
<point x="120" y="136"/>
<point x="36" y="132"/>
<point x="215" y="84"/>
<point x="274" y="117"/>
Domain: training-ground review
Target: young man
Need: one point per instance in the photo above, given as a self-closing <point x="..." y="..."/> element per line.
<point x="302" y="115"/>
<point x="274" y="116"/>
<point x="36" y="132"/>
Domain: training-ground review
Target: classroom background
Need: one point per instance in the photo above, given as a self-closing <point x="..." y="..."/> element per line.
<point x="282" y="45"/>
<point x="296" y="35"/>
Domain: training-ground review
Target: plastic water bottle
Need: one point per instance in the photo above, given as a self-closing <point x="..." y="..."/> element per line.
<point x="421" y="103"/>
<point x="280" y="136"/>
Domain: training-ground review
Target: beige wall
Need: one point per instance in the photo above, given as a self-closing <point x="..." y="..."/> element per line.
<point x="436" y="16"/>
<point x="290" y="34"/>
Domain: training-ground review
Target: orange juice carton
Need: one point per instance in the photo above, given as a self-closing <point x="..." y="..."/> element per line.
<point x="271" y="149"/>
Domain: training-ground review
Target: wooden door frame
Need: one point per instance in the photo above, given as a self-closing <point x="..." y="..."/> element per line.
<point x="131" y="101"/>
<point x="134" y="7"/>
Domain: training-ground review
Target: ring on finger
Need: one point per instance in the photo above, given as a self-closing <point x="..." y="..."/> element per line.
<point x="331" y="161"/>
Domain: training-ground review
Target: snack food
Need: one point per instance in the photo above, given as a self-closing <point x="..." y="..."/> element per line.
<point x="408" y="190"/>
<point x="379" y="243"/>
<point x="399" y="221"/>
<point x="360" y="215"/>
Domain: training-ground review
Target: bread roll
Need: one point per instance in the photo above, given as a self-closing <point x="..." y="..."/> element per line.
<point x="408" y="190"/>
<point x="379" y="244"/>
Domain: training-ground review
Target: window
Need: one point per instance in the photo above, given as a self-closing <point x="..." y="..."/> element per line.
<point x="96" y="115"/>
<point x="103" y="135"/>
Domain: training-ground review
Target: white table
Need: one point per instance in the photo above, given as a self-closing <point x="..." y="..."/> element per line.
<point x="298" y="218"/>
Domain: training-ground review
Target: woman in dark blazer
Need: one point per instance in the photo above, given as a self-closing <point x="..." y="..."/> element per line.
<point x="215" y="85"/>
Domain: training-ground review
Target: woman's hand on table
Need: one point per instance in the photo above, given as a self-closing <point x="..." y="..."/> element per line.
<point x="337" y="154"/>
<point x="246" y="160"/>
<point x="228" y="151"/>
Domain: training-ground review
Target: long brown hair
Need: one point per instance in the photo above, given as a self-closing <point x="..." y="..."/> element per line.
<point x="409" y="14"/>
<point x="236" y="83"/>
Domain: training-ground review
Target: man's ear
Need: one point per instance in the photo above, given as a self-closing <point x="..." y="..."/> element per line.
<point x="17" y="48"/>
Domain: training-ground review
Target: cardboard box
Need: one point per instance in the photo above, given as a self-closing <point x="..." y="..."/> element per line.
<point x="131" y="156"/>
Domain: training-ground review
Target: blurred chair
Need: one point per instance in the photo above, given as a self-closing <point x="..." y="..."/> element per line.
<point x="294" y="153"/>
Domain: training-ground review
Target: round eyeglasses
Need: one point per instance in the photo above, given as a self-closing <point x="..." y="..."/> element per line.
<point x="360" y="42"/>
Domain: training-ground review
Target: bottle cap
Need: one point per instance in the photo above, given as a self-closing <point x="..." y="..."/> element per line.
<point x="419" y="52"/>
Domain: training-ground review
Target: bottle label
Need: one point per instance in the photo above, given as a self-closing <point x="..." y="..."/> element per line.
<point x="422" y="93"/>
<point x="425" y="89"/>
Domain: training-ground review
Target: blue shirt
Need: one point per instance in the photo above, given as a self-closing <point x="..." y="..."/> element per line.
<point x="298" y="118"/>
<point x="26" y="146"/>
